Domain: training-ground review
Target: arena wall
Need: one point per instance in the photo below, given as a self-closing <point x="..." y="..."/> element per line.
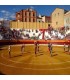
<point x="28" y="25"/>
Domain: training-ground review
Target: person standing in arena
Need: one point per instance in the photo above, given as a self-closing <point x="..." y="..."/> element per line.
<point x="35" y="43"/>
<point x="64" y="47"/>
<point x="68" y="47"/>
<point x="9" y="49"/>
<point x="50" y="48"/>
<point x="22" y="48"/>
<point x="38" y="47"/>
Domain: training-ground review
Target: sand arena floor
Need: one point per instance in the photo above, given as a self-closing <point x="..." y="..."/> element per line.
<point x="29" y="63"/>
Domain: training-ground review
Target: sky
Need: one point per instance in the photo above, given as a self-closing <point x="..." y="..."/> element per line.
<point x="8" y="11"/>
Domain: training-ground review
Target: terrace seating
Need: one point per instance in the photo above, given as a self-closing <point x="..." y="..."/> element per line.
<point x="32" y="34"/>
<point x="1" y="37"/>
<point x="54" y="35"/>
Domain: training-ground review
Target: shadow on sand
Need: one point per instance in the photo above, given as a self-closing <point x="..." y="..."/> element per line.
<point x="39" y="54"/>
<point x="54" y="54"/>
<point x="1" y="73"/>
<point x="15" y="56"/>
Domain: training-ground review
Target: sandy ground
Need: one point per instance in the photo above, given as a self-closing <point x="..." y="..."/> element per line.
<point x="29" y="63"/>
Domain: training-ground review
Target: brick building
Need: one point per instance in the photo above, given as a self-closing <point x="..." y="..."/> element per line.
<point x="28" y="15"/>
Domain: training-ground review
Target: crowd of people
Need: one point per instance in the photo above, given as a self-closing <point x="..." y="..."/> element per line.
<point x="12" y="34"/>
<point x="53" y="35"/>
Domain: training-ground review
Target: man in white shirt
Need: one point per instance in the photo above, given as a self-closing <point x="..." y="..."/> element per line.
<point x="9" y="49"/>
<point x="22" y="48"/>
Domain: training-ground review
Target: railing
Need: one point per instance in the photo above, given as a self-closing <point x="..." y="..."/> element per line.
<point x="11" y="42"/>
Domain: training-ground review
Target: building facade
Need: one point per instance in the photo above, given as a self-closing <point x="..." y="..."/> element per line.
<point x="1" y="23"/>
<point x="57" y="18"/>
<point x="28" y="15"/>
<point x="39" y="19"/>
<point x="67" y="20"/>
<point x="46" y="19"/>
<point x="4" y="23"/>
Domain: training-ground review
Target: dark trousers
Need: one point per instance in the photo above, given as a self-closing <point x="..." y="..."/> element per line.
<point x="35" y="50"/>
<point x="9" y="54"/>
